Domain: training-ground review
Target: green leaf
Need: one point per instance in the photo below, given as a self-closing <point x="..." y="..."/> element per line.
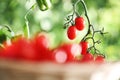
<point x="6" y="31"/>
<point x="3" y="37"/>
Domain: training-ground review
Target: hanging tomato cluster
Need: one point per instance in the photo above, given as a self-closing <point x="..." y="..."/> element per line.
<point x="79" y="25"/>
<point x="38" y="50"/>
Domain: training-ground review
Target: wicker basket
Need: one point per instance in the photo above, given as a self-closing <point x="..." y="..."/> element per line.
<point x="10" y="70"/>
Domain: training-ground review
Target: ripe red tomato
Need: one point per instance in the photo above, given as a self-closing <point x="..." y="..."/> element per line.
<point x="84" y="46"/>
<point x="9" y="52"/>
<point x="46" y="56"/>
<point x="66" y="53"/>
<point x="41" y="41"/>
<point x="68" y="49"/>
<point x="12" y="50"/>
<point x="63" y="54"/>
<point x="79" y="23"/>
<point x="20" y="49"/>
<point x="99" y="59"/>
<point x="87" y="58"/>
<point x="60" y="56"/>
<point x="41" y="45"/>
<point x="71" y="32"/>
<point x="27" y="51"/>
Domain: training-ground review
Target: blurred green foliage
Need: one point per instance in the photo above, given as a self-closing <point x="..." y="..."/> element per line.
<point x="102" y="13"/>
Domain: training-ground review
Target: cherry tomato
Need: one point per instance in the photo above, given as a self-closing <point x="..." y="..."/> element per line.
<point x="68" y="49"/>
<point x="71" y="33"/>
<point x="63" y="54"/>
<point x="87" y="58"/>
<point x="41" y="41"/>
<point x="84" y="46"/>
<point x="79" y="23"/>
<point x="60" y="56"/>
<point x="41" y="44"/>
<point x="66" y="53"/>
<point x="99" y="59"/>
<point x="10" y="52"/>
<point x="27" y="51"/>
<point x="20" y="49"/>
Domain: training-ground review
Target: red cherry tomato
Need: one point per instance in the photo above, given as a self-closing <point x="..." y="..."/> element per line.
<point x="27" y="51"/>
<point x="63" y="54"/>
<point x="41" y="41"/>
<point x="79" y="23"/>
<point x="87" y="58"/>
<point x="9" y="52"/>
<point x="20" y="49"/>
<point x="67" y="53"/>
<point x="41" y="44"/>
<point x="71" y="32"/>
<point x="68" y="49"/>
<point x="99" y="59"/>
<point x="60" y="56"/>
<point x="84" y="46"/>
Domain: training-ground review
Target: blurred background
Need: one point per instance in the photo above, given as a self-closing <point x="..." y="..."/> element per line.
<point x="102" y="13"/>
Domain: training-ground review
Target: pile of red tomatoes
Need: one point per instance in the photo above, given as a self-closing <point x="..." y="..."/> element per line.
<point x="38" y="49"/>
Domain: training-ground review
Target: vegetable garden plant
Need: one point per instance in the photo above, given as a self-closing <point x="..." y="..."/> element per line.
<point x="38" y="48"/>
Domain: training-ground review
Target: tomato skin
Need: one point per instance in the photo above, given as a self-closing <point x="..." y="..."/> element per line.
<point x="79" y="23"/>
<point x="41" y="41"/>
<point x="27" y="51"/>
<point x="41" y="45"/>
<point x="84" y="46"/>
<point x="71" y="32"/>
<point x="12" y="51"/>
<point x="20" y="49"/>
<point x="67" y="49"/>
<point x="99" y="59"/>
<point x="59" y="56"/>
<point x="9" y="52"/>
<point x="65" y="53"/>
<point x="87" y="58"/>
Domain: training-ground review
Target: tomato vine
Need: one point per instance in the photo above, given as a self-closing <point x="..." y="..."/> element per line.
<point x="91" y="30"/>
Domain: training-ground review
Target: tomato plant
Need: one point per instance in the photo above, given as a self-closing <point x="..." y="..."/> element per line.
<point x="39" y="49"/>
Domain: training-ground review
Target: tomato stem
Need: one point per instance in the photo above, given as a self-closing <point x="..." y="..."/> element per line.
<point x="91" y="29"/>
<point x="86" y="14"/>
<point x="26" y="27"/>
